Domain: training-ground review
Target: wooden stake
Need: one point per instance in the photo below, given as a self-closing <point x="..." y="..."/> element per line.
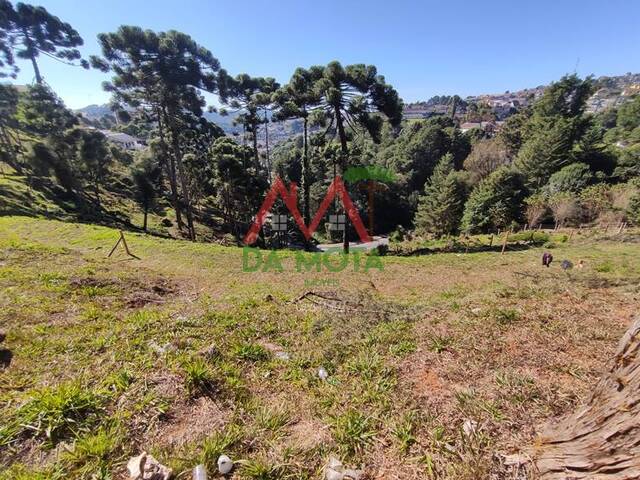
<point x="126" y="247"/>
<point x="504" y="243"/>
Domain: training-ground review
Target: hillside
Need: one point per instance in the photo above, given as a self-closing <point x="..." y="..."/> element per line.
<point x="435" y="363"/>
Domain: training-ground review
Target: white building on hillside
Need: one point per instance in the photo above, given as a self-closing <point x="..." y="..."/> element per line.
<point x="124" y="140"/>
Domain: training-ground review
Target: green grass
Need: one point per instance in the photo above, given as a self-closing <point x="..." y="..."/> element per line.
<point x="55" y="413"/>
<point x="353" y="431"/>
<point x="105" y="365"/>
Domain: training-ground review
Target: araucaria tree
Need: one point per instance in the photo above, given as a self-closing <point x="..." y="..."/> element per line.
<point x="350" y="97"/>
<point x="441" y="206"/>
<point x="248" y="95"/>
<point x="162" y="73"/>
<point x="298" y="99"/>
<point x="29" y="31"/>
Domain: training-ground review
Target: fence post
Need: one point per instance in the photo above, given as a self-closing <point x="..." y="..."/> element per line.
<point x="504" y="243"/>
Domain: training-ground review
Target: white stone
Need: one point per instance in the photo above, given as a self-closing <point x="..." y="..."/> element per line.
<point x="322" y="373"/>
<point x="145" y="467"/>
<point x="225" y="464"/>
<point x="469" y="427"/>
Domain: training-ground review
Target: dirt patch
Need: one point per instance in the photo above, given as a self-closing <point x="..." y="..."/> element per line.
<point x="153" y="292"/>
<point x="189" y="422"/>
<point x="308" y="434"/>
<point x="136" y="293"/>
<point x="77" y="283"/>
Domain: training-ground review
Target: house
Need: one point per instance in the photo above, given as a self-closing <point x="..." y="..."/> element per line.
<point x="466" y="126"/>
<point x="489" y="127"/>
<point x="124" y="140"/>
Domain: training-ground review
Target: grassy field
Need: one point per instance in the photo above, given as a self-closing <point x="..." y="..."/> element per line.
<point x="437" y="364"/>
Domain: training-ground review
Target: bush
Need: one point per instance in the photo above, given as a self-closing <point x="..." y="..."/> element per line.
<point x="564" y="206"/>
<point x="595" y="200"/>
<point x="572" y="178"/>
<point x="536" y="208"/>
<point x="633" y="212"/>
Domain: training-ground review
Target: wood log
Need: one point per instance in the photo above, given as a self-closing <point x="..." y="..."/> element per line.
<point x="602" y="439"/>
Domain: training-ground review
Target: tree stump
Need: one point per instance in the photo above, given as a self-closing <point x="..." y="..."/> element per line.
<point x="602" y="439"/>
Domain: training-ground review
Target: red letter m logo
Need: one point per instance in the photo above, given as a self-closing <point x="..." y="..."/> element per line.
<point x="290" y="199"/>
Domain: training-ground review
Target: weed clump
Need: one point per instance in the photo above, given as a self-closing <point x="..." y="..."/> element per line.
<point x="55" y="413"/>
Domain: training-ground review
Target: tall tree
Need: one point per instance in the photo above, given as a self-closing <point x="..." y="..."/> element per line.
<point x="7" y="60"/>
<point x="350" y="95"/>
<point x="495" y="202"/>
<point x="8" y="126"/>
<point x="145" y="176"/>
<point x="93" y="158"/>
<point x="440" y="209"/>
<point x="163" y="73"/>
<point x="238" y="189"/>
<point x="41" y="112"/>
<point x="247" y="95"/>
<point x="31" y="31"/>
<point x="298" y="99"/>
<point x="554" y="129"/>
<point x="265" y="100"/>
<point x="486" y="156"/>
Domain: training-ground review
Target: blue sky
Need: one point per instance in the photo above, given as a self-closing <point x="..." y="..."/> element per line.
<point x="423" y="48"/>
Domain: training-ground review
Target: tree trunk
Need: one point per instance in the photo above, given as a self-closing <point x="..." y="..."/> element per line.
<point x="256" y="156"/>
<point x="266" y="140"/>
<point x="36" y="70"/>
<point x="185" y="188"/>
<point x="31" y="51"/>
<point x="602" y="439"/>
<point x="306" y="194"/>
<point x="96" y="189"/>
<point x="171" y="172"/>
<point x="343" y="165"/>
<point x="146" y="211"/>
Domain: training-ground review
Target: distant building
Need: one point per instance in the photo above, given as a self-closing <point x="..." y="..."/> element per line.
<point x="488" y="127"/>
<point x="124" y="140"/>
<point x="466" y="126"/>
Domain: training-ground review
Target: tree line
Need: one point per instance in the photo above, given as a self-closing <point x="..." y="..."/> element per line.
<point x="551" y="160"/>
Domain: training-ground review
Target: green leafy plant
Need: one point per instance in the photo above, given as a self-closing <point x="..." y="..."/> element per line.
<point x="353" y="431"/>
<point x="58" y="412"/>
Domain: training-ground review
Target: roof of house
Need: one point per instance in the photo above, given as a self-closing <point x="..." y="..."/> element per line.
<point x="120" y="137"/>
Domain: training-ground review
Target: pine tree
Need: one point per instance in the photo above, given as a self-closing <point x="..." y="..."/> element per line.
<point x="441" y="206"/>
<point x="496" y="202"/>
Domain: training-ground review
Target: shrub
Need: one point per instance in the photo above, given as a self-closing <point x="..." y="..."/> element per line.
<point x="595" y="200"/>
<point x="572" y="178"/>
<point x="633" y="211"/>
<point x="536" y="207"/>
<point x="564" y="206"/>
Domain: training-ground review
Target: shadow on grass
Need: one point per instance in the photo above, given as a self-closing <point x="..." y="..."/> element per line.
<point x="471" y="248"/>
